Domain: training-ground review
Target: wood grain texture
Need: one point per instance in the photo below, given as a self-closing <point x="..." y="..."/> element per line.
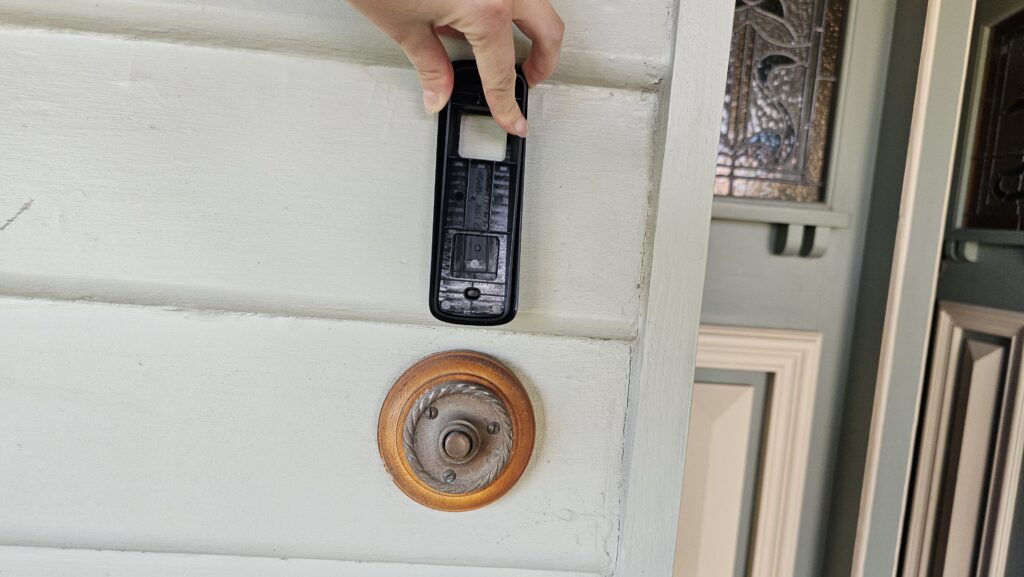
<point x="451" y="367"/>
<point x="663" y="361"/>
<point x="133" y="428"/>
<point x="623" y="43"/>
<point x="188" y="176"/>
<point x="43" y="562"/>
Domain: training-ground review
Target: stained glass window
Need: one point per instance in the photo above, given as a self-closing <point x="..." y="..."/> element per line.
<point x="778" y="103"/>
<point x="996" y="190"/>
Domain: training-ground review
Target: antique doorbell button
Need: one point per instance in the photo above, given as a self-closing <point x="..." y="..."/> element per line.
<point x="456" y="431"/>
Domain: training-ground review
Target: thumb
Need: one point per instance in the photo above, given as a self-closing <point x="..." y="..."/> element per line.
<point x="430" y="59"/>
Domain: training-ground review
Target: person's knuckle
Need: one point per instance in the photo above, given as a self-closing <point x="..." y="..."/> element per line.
<point x="431" y="75"/>
<point x="427" y="68"/>
<point x="494" y="11"/>
<point x="406" y="39"/>
<point x="507" y="110"/>
<point x="558" y="31"/>
<point x="504" y="84"/>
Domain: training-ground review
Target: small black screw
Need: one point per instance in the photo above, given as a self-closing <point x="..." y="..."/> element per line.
<point x="432" y="413"/>
<point x="493" y="428"/>
<point x="449" y="476"/>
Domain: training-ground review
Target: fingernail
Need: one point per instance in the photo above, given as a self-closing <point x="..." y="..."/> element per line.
<point x="520" y="128"/>
<point x="433" y="101"/>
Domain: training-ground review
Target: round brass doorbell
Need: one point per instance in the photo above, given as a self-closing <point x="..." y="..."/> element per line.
<point x="456" y="431"/>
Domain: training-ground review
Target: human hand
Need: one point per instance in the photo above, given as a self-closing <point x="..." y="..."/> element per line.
<point x="487" y="26"/>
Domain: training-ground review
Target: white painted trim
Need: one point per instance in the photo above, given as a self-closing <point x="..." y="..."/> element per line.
<point x="954" y="321"/>
<point x="52" y="562"/>
<point x="663" y="362"/>
<point x="929" y="166"/>
<point x="933" y="470"/>
<point x="711" y="524"/>
<point x="971" y="475"/>
<point x="778" y="212"/>
<point x="792" y="358"/>
<point x="931" y="458"/>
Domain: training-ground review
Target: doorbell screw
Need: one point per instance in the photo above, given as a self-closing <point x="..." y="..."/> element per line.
<point x="432" y="413"/>
<point x="449" y="476"/>
<point x="493" y="428"/>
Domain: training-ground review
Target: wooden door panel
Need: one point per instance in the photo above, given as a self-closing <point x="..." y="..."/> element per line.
<point x="789" y="362"/>
<point x="970" y="446"/>
<point x="710" y="517"/>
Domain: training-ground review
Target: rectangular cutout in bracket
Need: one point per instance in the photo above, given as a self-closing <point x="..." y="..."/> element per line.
<point x="480" y="138"/>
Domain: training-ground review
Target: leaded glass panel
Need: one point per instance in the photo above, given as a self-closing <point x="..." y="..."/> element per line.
<point x="778" y="104"/>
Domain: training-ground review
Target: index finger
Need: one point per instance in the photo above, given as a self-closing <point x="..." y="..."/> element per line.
<point x="496" y="61"/>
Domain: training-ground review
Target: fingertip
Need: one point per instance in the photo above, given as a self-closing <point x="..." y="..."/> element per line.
<point x="533" y="77"/>
<point x="430" y="59"/>
<point x="538" y="68"/>
<point x="512" y="122"/>
<point x="434" y="101"/>
<point x="520" y="127"/>
<point x="541" y="24"/>
<point x="516" y="125"/>
<point x="437" y="87"/>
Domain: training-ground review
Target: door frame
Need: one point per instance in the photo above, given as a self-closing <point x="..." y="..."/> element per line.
<point x="912" y="287"/>
<point x="664" y="354"/>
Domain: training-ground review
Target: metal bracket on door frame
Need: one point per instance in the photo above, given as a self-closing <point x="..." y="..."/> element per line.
<point x="809" y="241"/>
<point x="961" y="251"/>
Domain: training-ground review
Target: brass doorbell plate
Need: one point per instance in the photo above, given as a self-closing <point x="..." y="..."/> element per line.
<point x="456" y="431"/>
